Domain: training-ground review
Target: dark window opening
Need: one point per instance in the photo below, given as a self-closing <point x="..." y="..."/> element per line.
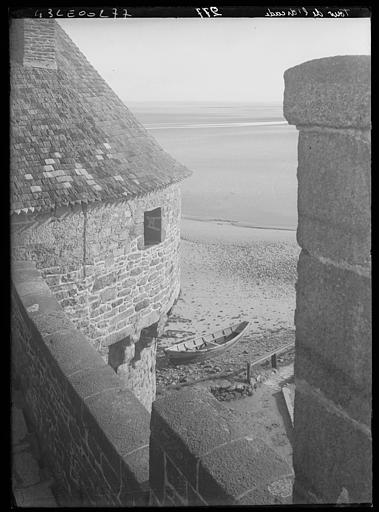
<point x="152" y="227"/>
<point x="147" y="338"/>
<point x="116" y="354"/>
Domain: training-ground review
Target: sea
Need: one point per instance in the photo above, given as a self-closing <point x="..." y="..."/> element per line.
<point x="243" y="157"/>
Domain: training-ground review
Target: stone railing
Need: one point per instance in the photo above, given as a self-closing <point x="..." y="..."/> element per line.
<point x="329" y="102"/>
<point x="94" y="433"/>
<point x="200" y="454"/>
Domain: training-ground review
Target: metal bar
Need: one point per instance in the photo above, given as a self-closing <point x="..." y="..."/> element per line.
<point x="270" y="354"/>
<point x="236" y="372"/>
<point x="248" y="373"/>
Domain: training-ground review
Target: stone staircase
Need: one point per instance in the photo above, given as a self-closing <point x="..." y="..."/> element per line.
<point x="31" y="480"/>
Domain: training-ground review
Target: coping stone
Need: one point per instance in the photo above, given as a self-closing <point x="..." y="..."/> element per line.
<point x="333" y="92"/>
<point x="189" y="412"/>
<point x="240" y="466"/>
<point x="73" y="352"/>
<point x="123" y="419"/>
<point x="92" y="381"/>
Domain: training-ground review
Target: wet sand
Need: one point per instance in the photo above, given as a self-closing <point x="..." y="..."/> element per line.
<point x="228" y="274"/>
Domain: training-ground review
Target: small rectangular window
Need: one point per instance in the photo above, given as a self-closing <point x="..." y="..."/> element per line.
<point x="153" y="227"/>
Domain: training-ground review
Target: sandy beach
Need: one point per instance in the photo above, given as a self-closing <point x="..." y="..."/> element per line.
<point x="231" y="273"/>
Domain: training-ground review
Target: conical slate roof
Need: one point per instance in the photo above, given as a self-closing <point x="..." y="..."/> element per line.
<point x="73" y="140"/>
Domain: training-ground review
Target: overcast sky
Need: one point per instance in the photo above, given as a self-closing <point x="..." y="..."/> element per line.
<point x="222" y="59"/>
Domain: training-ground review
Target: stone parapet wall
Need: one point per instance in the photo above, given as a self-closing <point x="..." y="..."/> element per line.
<point x="94" y="260"/>
<point x="94" y="433"/>
<point x="201" y="454"/>
<point x="329" y="101"/>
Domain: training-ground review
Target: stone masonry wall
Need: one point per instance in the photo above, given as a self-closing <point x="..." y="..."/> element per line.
<point x="329" y="102"/>
<point x="94" y="433"/>
<point x="108" y="283"/>
<point x="201" y="454"/>
<point x="138" y="374"/>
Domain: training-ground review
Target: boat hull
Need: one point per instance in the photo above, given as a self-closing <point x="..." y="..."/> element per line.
<point x="193" y="356"/>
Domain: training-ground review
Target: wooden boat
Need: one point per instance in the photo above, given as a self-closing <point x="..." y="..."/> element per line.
<point x="205" y="347"/>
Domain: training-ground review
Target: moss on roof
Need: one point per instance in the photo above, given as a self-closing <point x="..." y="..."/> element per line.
<point x="73" y="140"/>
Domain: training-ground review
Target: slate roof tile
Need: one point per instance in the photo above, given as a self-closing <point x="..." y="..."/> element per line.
<point x="62" y="121"/>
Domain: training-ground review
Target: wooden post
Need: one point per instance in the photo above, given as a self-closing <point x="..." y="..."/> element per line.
<point x="274" y="362"/>
<point x="248" y="368"/>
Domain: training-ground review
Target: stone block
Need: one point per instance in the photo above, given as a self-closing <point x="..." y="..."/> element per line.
<point x="72" y="351"/>
<point x="34" y="290"/>
<point x="123" y="421"/>
<point x="112" y="475"/>
<point x="335" y="384"/>
<point x="331" y="451"/>
<point x="191" y="422"/>
<point x="124" y="292"/>
<point x="108" y="294"/>
<point x="157" y="468"/>
<point x="154" y="276"/>
<point x="334" y="196"/>
<point x="239" y="467"/>
<point x="176" y="479"/>
<point x="53" y="280"/>
<point x="280" y="493"/>
<point x="24" y="272"/>
<point x="333" y="319"/>
<point x="332" y="242"/>
<point x="52" y="322"/>
<point x="333" y="91"/>
<point x="146" y="321"/>
<point x="142" y="305"/>
<point x="43" y="304"/>
<point x="68" y="302"/>
<point x="171" y="498"/>
<point x="136" y="256"/>
<point x="26" y="468"/>
<point x="126" y="314"/>
<point x="194" y="499"/>
<point x="114" y="337"/>
<point x="36" y="496"/>
<point x="138" y="461"/>
<point x="18" y="266"/>
<point x="127" y="494"/>
<point x="101" y="282"/>
<point x="19" y="428"/>
<point x="89" y="382"/>
<point x="153" y="500"/>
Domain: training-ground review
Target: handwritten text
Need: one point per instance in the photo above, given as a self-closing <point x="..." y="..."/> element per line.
<point x="82" y="13"/>
<point x="314" y="12"/>
<point x="213" y="12"/>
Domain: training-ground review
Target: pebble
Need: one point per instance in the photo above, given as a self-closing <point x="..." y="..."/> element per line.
<point x="234" y="269"/>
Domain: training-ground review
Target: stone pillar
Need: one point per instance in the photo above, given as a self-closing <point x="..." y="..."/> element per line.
<point x="329" y="102"/>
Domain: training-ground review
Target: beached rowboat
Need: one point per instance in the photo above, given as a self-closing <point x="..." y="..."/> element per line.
<point x="205" y="347"/>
